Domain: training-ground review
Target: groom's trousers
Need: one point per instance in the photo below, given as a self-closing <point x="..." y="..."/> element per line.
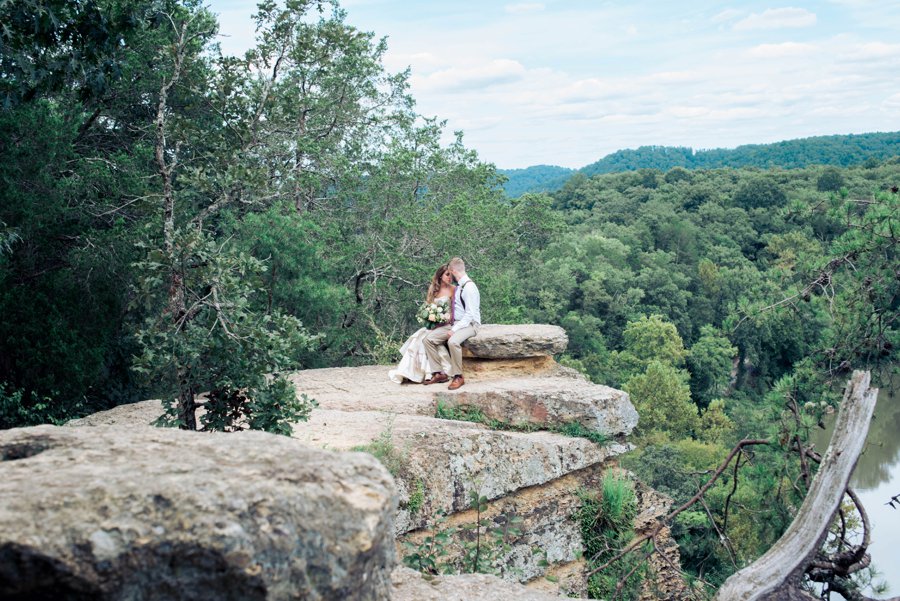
<point x="453" y="340"/>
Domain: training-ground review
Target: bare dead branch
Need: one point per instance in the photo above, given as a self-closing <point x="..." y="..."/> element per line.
<point x="782" y="567"/>
<point x="641" y="539"/>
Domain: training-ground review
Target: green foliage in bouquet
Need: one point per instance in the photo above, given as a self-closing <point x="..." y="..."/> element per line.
<point x="431" y="315"/>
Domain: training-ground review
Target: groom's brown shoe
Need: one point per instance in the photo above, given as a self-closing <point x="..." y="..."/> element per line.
<point x="456" y="383"/>
<point x="438" y="378"/>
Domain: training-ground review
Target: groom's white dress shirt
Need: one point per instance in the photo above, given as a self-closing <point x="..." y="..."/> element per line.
<point x="471" y="312"/>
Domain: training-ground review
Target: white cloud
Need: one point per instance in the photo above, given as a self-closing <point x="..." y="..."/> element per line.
<point x="676" y="77"/>
<point x="456" y="79"/>
<point x="524" y="7"/>
<point x="783" y="50"/>
<point x="688" y="112"/>
<point x="524" y="94"/>
<point x="892" y="102"/>
<point x="870" y="51"/>
<point x="729" y="14"/>
<point x="777" y="18"/>
<point x="477" y="123"/>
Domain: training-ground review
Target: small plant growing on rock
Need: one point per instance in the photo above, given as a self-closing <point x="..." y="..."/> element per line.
<point x="476" y="554"/>
<point x="460" y="413"/>
<point x="607" y="526"/>
<point x="428" y="556"/>
<point x="416" y="497"/>
<point x="578" y="430"/>
<point x="482" y="544"/>
<point x="385" y="451"/>
<point x="489" y="540"/>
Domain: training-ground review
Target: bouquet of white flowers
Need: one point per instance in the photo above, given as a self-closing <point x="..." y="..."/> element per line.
<point x="432" y="314"/>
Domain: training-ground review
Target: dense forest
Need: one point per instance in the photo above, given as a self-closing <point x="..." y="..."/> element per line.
<point x="175" y="220"/>
<point x="537" y="178"/>
<point x="841" y="151"/>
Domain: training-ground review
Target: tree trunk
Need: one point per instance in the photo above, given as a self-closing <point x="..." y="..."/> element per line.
<point x="777" y="575"/>
<point x="187" y="405"/>
<point x="175" y="306"/>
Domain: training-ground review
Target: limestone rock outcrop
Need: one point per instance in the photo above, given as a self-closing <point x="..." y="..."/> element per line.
<point x="410" y="585"/>
<point x="450" y="459"/>
<point x="516" y="341"/>
<point x="143" y="413"/>
<point x="667" y="582"/>
<point x="152" y="513"/>
<point x="512" y="381"/>
<point x="549" y="401"/>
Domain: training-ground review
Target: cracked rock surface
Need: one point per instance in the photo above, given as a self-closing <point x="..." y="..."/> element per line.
<point x="157" y="513"/>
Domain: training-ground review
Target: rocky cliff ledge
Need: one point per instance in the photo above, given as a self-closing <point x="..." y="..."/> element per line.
<point x="523" y="465"/>
<point x="153" y="513"/>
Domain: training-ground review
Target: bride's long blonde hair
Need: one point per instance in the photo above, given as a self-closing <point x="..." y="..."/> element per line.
<point x="435" y="286"/>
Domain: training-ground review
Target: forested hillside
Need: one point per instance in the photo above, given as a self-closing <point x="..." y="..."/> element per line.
<point x="854" y="149"/>
<point x="175" y="221"/>
<point x="729" y="303"/>
<point x="538" y="178"/>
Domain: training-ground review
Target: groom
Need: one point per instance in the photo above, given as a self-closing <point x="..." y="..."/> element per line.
<point x="466" y="320"/>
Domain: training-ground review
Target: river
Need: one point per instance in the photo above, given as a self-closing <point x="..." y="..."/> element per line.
<point x="877" y="479"/>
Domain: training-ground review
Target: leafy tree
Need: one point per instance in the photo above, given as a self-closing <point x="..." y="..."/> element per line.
<point x="197" y="291"/>
<point x="709" y="362"/>
<point x="831" y="180"/>
<point x="49" y="47"/>
<point x="218" y="343"/>
<point x="652" y="339"/>
<point x="715" y="425"/>
<point x="677" y="174"/>
<point x="759" y="193"/>
<point x="662" y="398"/>
<point x="73" y="185"/>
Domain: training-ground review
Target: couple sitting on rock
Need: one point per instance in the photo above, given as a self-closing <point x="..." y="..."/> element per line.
<point x="434" y="353"/>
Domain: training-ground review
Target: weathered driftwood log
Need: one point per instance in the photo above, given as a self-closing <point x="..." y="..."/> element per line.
<point x="776" y="576"/>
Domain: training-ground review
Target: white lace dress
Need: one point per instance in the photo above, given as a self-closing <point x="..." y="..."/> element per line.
<point x="414" y="365"/>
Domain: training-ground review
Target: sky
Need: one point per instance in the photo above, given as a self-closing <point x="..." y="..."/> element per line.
<point x="567" y="82"/>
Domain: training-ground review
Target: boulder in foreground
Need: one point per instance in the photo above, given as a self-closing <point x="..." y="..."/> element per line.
<point x="109" y="513"/>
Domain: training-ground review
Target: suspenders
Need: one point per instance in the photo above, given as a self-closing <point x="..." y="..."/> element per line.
<point x="461" y="297"/>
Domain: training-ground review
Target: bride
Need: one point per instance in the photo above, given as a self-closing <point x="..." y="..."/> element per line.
<point x="414" y="366"/>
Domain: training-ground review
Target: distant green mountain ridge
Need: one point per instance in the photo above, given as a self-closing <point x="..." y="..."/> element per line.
<point x="841" y="150"/>
<point x="537" y="178"/>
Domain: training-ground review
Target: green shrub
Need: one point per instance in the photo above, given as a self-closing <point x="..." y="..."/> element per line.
<point x="385" y="451"/>
<point x="606" y="522"/>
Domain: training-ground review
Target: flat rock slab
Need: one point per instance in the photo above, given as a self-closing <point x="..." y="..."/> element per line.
<point x="448" y="459"/>
<point x="410" y="585"/>
<point x="517" y="341"/>
<point x="548" y="401"/>
<point x="554" y="397"/>
<point x="368" y="388"/>
<point x="364" y="388"/>
<point x="143" y="413"/>
<point x="153" y="513"/>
